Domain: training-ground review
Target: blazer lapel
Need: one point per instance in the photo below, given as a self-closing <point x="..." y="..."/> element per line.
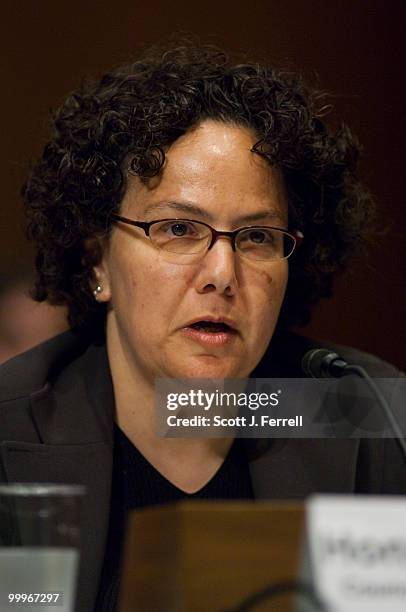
<point x="294" y="468"/>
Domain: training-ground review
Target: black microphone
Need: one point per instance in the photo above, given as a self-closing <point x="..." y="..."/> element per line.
<point x="324" y="363"/>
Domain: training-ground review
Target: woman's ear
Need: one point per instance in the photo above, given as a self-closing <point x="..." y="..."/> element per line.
<point x="97" y="261"/>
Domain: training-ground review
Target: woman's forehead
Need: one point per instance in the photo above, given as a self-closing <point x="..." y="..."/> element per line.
<point x="212" y="168"/>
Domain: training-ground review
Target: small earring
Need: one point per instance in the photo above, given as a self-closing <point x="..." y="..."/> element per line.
<point x="97" y="291"/>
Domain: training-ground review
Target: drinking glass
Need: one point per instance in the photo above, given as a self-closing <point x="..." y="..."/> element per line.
<point x="39" y="546"/>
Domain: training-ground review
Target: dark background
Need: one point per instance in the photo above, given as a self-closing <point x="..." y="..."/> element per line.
<point x="356" y="50"/>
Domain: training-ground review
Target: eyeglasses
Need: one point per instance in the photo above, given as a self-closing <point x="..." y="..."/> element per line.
<point x="185" y="240"/>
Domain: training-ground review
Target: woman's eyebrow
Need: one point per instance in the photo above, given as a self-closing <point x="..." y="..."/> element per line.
<point x="266" y="215"/>
<point x="194" y="209"/>
<point x="184" y="207"/>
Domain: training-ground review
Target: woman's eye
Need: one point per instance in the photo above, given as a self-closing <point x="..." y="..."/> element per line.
<point x="180" y="229"/>
<point x="173" y="229"/>
<point x="260" y="237"/>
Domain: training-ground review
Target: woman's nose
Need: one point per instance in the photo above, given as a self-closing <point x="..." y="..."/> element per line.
<point x="218" y="269"/>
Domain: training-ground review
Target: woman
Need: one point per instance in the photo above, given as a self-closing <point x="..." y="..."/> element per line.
<point x="134" y="207"/>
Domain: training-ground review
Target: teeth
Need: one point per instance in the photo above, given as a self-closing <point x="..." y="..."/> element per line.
<point x="211" y="326"/>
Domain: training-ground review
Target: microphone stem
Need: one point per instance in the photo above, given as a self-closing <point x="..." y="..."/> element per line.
<point x="359" y="371"/>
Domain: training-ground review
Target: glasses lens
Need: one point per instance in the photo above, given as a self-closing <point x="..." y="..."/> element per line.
<point x="265" y="243"/>
<point x="180" y="236"/>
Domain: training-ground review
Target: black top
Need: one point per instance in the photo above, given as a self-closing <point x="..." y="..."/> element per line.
<point x="137" y="484"/>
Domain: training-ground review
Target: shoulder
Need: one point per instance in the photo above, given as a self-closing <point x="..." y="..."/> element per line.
<point x="29" y="371"/>
<point x="375" y="366"/>
<point x="369" y="465"/>
<point x="287" y="349"/>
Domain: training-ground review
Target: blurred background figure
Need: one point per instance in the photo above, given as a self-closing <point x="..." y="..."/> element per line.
<point x="23" y="322"/>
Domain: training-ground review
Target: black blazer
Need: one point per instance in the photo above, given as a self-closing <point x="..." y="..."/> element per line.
<point x="56" y="425"/>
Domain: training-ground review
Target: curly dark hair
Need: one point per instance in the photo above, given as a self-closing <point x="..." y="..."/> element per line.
<point x="135" y="112"/>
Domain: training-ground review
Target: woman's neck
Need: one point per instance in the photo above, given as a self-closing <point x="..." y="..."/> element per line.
<point x="189" y="463"/>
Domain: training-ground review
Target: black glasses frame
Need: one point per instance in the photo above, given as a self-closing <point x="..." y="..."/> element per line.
<point x="296" y="235"/>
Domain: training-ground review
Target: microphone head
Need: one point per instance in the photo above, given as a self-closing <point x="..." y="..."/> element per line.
<point x="316" y="363"/>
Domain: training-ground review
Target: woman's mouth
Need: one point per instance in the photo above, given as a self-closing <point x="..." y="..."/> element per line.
<point x="210" y="332"/>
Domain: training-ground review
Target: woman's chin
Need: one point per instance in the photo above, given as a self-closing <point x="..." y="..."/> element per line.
<point x="209" y="366"/>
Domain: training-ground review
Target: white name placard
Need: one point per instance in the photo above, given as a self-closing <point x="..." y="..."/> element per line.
<point x="357" y="552"/>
